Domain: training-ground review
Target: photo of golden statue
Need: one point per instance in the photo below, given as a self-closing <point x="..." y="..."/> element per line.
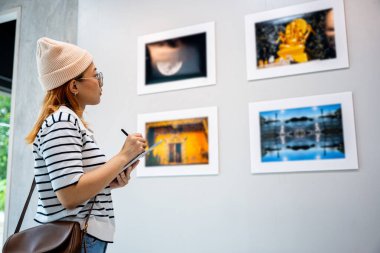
<point x="292" y="47"/>
<point x="296" y="39"/>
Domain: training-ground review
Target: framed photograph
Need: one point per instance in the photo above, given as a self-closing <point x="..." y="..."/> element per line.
<point x="298" y="39"/>
<point x="189" y="142"/>
<point x="303" y="134"/>
<point x="176" y="59"/>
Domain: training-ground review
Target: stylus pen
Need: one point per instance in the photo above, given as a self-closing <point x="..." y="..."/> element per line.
<point x="124" y="132"/>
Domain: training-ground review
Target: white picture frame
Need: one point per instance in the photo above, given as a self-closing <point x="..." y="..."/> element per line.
<point x="284" y="134"/>
<point x="262" y="33"/>
<point x="176" y="59"/>
<point x="190" y="150"/>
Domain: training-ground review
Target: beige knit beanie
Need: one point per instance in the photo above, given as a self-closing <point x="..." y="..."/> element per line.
<point x="59" y="62"/>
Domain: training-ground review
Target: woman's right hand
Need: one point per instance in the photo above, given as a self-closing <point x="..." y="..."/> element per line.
<point x="133" y="146"/>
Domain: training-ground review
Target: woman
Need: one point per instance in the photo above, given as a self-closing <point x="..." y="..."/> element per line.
<point x="70" y="169"/>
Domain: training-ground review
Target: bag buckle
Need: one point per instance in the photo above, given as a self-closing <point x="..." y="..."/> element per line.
<point x="85" y="228"/>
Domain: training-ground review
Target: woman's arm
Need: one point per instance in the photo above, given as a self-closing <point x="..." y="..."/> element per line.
<point x="92" y="182"/>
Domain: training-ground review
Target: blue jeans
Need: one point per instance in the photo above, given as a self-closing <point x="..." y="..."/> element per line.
<point x="93" y="245"/>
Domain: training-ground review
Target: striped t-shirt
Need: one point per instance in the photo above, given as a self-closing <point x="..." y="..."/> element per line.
<point x="63" y="151"/>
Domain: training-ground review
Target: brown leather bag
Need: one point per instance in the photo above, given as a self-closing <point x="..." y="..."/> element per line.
<point x="57" y="236"/>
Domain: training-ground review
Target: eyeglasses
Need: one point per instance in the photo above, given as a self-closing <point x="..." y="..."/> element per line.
<point x="98" y="76"/>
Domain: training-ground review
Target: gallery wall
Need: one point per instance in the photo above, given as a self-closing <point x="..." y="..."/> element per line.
<point x="235" y="210"/>
<point x="56" y="19"/>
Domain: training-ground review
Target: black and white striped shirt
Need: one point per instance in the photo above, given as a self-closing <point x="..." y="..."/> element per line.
<point x="63" y="151"/>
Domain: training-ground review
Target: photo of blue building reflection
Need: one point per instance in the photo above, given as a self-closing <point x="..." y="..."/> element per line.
<point x="298" y="134"/>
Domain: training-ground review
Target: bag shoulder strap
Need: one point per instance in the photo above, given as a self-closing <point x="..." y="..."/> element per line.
<point x="88" y="216"/>
<point x="21" y="219"/>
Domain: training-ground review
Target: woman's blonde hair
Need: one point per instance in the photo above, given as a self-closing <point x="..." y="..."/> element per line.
<point x="52" y="101"/>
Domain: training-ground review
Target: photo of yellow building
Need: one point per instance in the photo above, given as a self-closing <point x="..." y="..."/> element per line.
<point x="185" y="142"/>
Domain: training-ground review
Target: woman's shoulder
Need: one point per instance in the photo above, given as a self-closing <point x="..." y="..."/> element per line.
<point x="63" y="116"/>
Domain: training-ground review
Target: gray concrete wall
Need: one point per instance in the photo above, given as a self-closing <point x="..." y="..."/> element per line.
<point x="56" y="19"/>
<point x="235" y="211"/>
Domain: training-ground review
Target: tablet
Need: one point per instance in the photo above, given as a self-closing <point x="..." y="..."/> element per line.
<point x="143" y="154"/>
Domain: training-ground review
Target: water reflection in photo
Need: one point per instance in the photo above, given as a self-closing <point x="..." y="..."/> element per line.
<point x="307" y="133"/>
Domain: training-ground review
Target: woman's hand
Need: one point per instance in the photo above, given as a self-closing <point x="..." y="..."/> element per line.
<point x="123" y="178"/>
<point x="134" y="145"/>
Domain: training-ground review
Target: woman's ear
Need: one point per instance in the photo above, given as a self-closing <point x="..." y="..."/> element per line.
<point x="73" y="86"/>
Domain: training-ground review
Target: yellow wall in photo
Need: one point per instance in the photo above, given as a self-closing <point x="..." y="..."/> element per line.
<point x="179" y="147"/>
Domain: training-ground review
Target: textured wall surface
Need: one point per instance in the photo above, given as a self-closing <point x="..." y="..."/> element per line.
<point x="56" y="19"/>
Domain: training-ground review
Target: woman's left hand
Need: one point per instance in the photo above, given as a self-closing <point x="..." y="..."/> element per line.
<point x="123" y="178"/>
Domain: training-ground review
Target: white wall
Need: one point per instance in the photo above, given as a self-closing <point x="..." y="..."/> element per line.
<point x="235" y="211"/>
